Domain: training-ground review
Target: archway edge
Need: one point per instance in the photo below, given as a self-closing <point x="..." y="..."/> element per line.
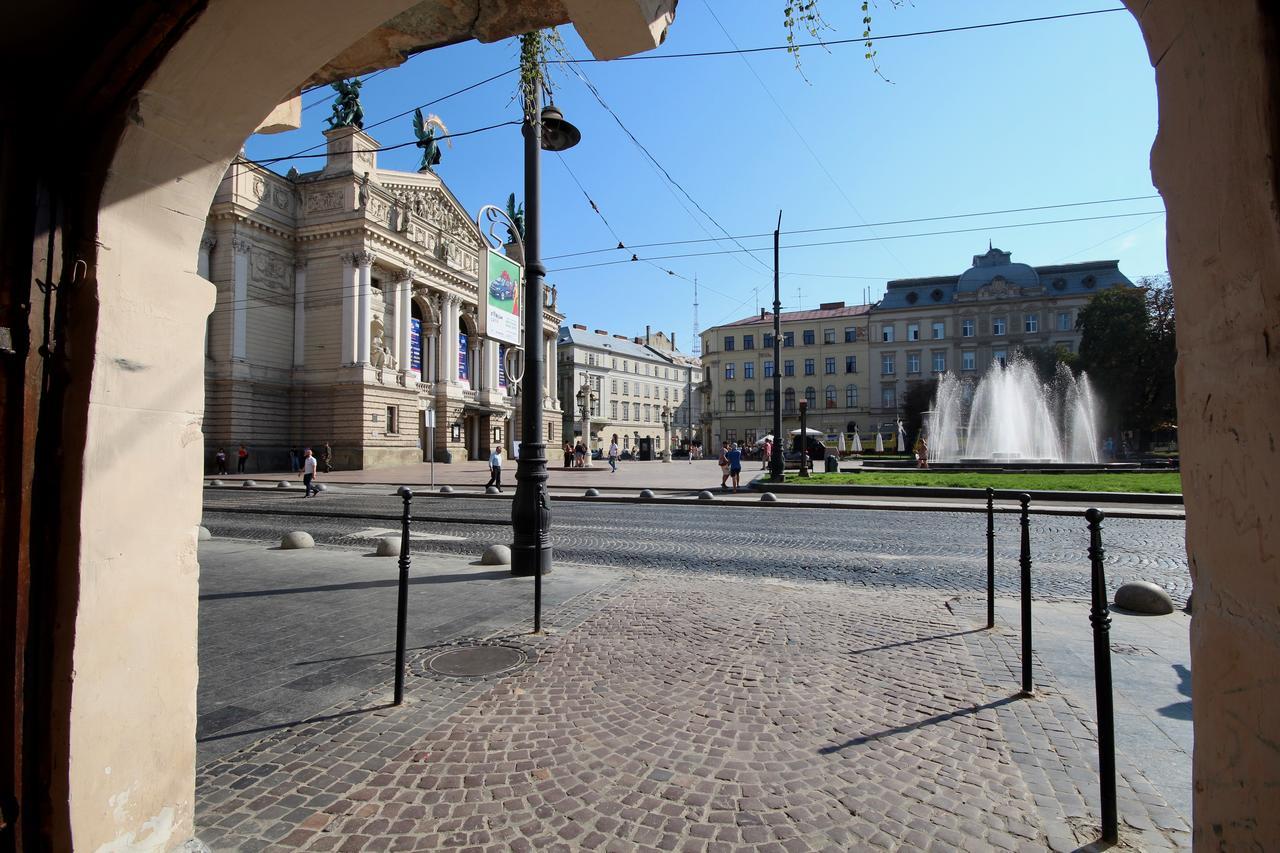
<point x="1215" y="161"/>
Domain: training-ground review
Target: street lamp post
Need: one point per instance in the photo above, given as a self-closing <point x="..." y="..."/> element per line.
<point x="804" y="438"/>
<point x="531" y="508"/>
<point x="666" y="433"/>
<point x="776" y="465"/>
<point x="586" y="397"/>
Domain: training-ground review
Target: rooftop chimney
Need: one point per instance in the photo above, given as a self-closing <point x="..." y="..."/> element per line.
<point x="602" y="332"/>
<point x="830" y="306"/>
<point x="673" y="340"/>
<point x="761" y="313"/>
<point x="621" y="337"/>
<point x="579" y="326"/>
<point x="646" y="334"/>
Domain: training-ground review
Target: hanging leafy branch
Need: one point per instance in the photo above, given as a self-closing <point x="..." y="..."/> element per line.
<point x="535" y="50"/>
<point x="805" y="13"/>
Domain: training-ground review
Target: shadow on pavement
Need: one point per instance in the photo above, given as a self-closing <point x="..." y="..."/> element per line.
<point x="928" y="721"/>
<point x="337" y="587"/>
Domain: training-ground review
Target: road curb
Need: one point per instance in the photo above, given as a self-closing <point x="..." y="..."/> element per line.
<point x="977" y="494"/>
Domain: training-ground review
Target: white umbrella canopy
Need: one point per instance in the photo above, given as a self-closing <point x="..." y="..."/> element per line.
<point x="810" y="431"/>
<point x="857" y="443"/>
<point x="879" y="443"/>
<point x="840" y="445"/>
<point x="760" y="442"/>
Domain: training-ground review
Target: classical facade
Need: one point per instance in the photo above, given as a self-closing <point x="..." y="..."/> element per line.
<point x="824" y="363"/>
<point x="346" y="312"/>
<point x="924" y="327"/>
<point x="628" y="385"/>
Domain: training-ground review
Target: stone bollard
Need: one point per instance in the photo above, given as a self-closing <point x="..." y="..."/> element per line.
<point x="646" y="494"/>
<point x="283" y="484"/>
<point x="248" y="484"/>
<point x="496" y="555"/>
<point x="706" y="496"/>
<point x="319" y="487"/>
<point x="491" y="490"/>
<point x="388" y="547"/>
<point x="215" y="482"/>
<point x="593" y="493"/>
<point x="769" y="497"/>
<point x="446" y="490"/>
<point x="297" y="539"/>
<point x="1144" y="597"/>
<point x="203" y="534"/>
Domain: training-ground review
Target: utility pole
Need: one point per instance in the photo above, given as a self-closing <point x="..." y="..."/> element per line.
<point x="776" y="463"/>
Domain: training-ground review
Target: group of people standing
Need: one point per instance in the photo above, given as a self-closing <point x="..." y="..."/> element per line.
<point x="575" y="455"/>
<point x="297" y="460"/>
<point x="730" y="464"/>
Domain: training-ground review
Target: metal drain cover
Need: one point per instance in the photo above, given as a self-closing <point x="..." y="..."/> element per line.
<point x="476" y="660"/>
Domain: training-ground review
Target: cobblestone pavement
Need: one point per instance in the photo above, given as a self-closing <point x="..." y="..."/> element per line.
<point x="943" y="551"/>
<point x="673" y="712"/>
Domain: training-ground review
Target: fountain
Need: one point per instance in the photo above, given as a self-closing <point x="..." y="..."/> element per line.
<point x="1010" y="418"/>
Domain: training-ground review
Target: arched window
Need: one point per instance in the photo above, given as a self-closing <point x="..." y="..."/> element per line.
<point x="730" y="401"/>
<point x="749" y="401"/>
<point x="769" y="400"/>
<point x="810" y="397"/>
<point x="851" y="398"/>
<point x="830" y="395"/>
<point x="789" y="400"/>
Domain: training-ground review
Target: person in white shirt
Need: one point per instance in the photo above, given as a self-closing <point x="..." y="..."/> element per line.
<point x="613" y="454"/>
<point x="309" y="465"/>
<point x="495" y="469"/>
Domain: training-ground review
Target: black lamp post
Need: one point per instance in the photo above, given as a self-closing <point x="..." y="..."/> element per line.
<point x="531" y="509"/>
<point x="804" y="438"/>
<point x="776" y="464"/>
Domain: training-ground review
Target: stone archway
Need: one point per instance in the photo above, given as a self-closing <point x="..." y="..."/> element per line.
<point x="119" y="652"/>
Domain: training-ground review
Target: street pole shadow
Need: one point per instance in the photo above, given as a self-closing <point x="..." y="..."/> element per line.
<point x="290" y="724"/>
<point x="918" y="724"/>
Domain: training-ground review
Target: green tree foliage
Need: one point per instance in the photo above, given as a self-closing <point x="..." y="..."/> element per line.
<point x="1128" y="348"/>
<point x="1045" y="360"/>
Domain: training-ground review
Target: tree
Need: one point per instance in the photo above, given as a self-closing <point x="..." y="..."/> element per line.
<point x="917" y="401"/>
<point x="1128" y="348"/>
<point x="1045" y="360"/>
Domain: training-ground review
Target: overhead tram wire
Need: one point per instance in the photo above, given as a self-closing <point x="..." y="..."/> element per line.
<point x="872" y="239"/>
<point x="595" y="92"/>
<point x="649" y="57"/>
<point x="327" y="96"/>
<point x="803" y="141"/>
<point x="270" y="160"/>
<point x="885" y="223"/>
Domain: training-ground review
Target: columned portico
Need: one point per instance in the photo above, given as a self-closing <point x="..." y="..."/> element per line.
<point x="364" y="261"/>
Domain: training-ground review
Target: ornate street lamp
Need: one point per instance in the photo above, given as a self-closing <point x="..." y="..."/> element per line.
<point x="586" y="397"/>
<point x="531" y="509"/>
<point x="804" y="438"/>
<point x="666" y="433"/>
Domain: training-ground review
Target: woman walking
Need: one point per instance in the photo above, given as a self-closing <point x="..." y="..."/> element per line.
<point x="613" y="454"/>
<point x="724" y="464"/>
<point x="735" y="464"/>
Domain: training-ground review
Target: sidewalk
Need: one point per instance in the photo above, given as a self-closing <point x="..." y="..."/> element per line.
<point x="671" y="712"/>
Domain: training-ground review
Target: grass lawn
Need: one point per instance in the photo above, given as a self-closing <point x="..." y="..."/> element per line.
<point x="1162" y="483"/>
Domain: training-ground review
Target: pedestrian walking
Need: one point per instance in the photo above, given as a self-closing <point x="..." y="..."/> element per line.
<point x="495" y="469"/>
<point x="579" y="455"/>
<point x="614" y="453"/>
<point x="309" y="466"/>
<point x="294" y="461"/>
<point x="242" y="458"/>
<point x="220" y="460"/>
<point x="734" y="457"/>
<point x="724" y="464"/>
<point x="568" y="455"/>
<point x="767" y="455"/>
<point x="922" y="453"/>
<point x="326" y="458"/>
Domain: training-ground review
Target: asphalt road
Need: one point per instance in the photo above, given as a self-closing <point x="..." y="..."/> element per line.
<point x="875" y="548"/>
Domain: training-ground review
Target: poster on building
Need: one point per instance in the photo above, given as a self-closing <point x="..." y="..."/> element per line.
<point x="502" y="366"/>
<point x="464" y="359"/>
<point x="502" y="298"/>
<point x="415" y="345"/>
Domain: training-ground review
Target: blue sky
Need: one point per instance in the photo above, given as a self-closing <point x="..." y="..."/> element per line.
<point x="1048" y="113"/>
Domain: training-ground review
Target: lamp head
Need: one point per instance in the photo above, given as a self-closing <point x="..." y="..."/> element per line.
<point x="557" y="134"/>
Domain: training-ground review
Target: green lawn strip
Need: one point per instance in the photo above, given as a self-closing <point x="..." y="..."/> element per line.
<point x="1160" y="483"/>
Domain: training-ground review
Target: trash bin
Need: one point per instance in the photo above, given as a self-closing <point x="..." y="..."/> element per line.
<point x="832" y="464"/>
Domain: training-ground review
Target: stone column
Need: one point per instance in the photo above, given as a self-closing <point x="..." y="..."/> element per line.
<point x="404" y="318"/>
<point x="299" y="313"/>
<point x="363" y="307"/>
<point x="204" y="258"/>
<point x="239" y="297"/>
<point x="348" y="353"/>
<point x="480" y="364"/>
<point x="443" y="347"/>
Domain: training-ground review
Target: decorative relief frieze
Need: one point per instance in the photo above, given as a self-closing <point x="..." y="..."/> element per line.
<point x="324" y="200"/>
<point x="270" y="269"/>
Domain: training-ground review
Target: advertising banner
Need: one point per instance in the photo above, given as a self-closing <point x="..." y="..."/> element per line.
<point x="415" y="345"/>
<point x="502" y="283"/>
<point x="464" y="359"/>
<point x="502" y="366"/>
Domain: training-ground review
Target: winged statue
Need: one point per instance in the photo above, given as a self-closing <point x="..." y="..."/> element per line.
<point x="425" y="130"/>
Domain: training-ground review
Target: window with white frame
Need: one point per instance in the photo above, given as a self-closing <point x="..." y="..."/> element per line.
<point x="810" y="396"/>
<point x="850" y="396"/>
<point x="886" y="334"/>
<point x="939" y="362"/>
<point x="889" y="398"/>
<point x="748" y="370"/>
<point x="769" y="399"/>
<point x="966" y="327"/>
<point x="886" y="363"/>
<point x="829" y="364"/>
<point x="728" y="370"/>
<point x="829" y="395"/>
<point x="968" y="360"/>
<point x="938" y="329"/>
<point x="850" y="334"/>
<point x="613" y="386"/>
<point x="1031" y="323"/>
<point x="828" y="336"/>
<point x="913" y="362"/>
<point x="749" y="401"/>
<point x="850" y="364"/>
<point x="768" y="369"/>
<point x="1064" y="321"/>
<point x="999" y="325"/>
<point x="613" y="410"/>
<point x="730" y="403"/>
<point x="998" y="357"/>
<point x="913" y="331"/>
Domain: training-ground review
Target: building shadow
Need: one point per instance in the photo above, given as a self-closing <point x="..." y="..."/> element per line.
<point x="1180" y="710"/>
<point x="352" y="585"/>
<point x="291" y="723"/>
<point x="916" y="641"/>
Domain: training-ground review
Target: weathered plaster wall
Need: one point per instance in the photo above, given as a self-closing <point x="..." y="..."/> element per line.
<point x="131" y="764"/>
<point x="1215" y="161"/>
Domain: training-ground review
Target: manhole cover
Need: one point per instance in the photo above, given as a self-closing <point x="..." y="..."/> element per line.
<point x="476" y="660"/>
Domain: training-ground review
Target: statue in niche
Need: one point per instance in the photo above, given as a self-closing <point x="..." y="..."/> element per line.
<point x="364" y="190"/>
<point x="347" y="111"/>
<point x="425" y="130"/>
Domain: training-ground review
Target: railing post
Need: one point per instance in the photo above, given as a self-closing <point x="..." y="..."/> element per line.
<point x="991" y="557"/>
<point x="1024" y="564"/>
<point x="1100" y="618"/>
<point x="402" y="603"/>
